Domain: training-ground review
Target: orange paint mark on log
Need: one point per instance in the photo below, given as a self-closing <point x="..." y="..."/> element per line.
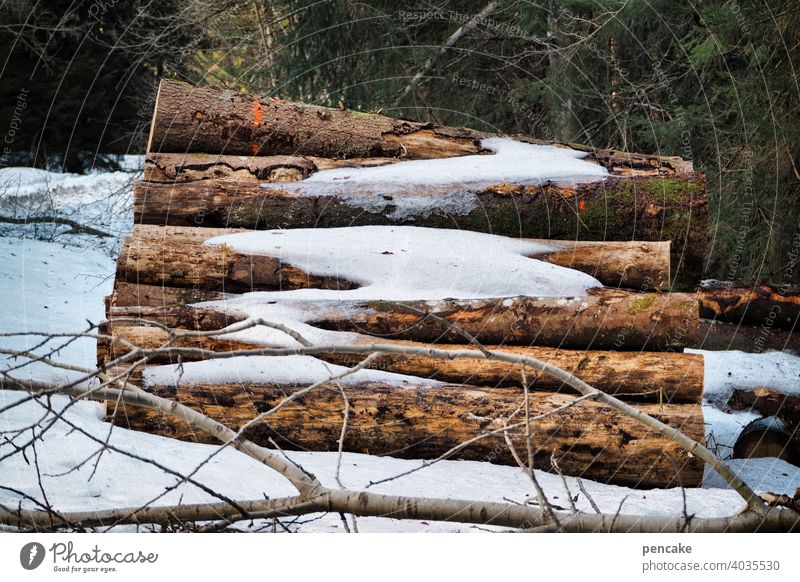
<point x="258" y="115"/>
<point x="581" y="204"/>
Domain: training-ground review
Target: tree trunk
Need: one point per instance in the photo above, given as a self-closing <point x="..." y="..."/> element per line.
<point x="633" y="376"/>
<point x="649" y="208"/>
<point x="750" y="304"/>
<point x="176" y="257"/>
<point x="588" y="440"/>
<point x="603" y="319"/>
<point x="189" y="120"/>
<point x="768" y="402"/>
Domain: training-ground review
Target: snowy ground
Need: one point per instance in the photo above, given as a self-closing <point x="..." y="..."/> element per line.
<point x="57" y="284"/>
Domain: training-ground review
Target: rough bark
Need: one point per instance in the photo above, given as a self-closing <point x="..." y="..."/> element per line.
<point x="177" y="257"/>
<point x="208" y="120"/>
<point x="603" y="319"/>
<point x="222" y="122"/>
<point x="755" y="304"/>
<point x="633" y="376"/>
<point x="649" y="208"/>
<point x="589" y="440"/>
<point x="190" y="167"/>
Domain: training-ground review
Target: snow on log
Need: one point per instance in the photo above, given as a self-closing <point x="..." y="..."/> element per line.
<point x="602" y="319"/>
<point x="189" y="119"/>
<point x="756" y="304"/>
<point x="649" y="208"/>
<point x="634" y="376"/>
<point x="232" y="160"/>
<point x="412" y="418"/>
<point x="182" y="257"/>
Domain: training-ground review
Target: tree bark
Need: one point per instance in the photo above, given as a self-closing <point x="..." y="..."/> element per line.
<point x="632" y="376"/>
<point x="190" y="119"/>
<point x="756" y="304"/>
<point x="188" y="167"/>
<point x="649" y="208"/>
<point x="589" y="440"/>
<point x="176" y="257"/>
<point x="603" y="319"/>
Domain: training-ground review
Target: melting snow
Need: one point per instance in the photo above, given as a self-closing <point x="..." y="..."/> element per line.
<point x="290" y="370"/>
<point x="450" y="184"/>
<point x="396" y="263"/>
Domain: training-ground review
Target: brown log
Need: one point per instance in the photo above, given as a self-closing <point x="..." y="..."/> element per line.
<point x="588" y="439"/>
<point x="756" y="304"/>
<point x="136" y="295"/>
<point x="188" y="167"/>
<point x="602" y="319"/>
<point x="768" y="402"/>
<point x="768" y="437"/>
<point x="650" y="208"/>
<point x="716" y="335"/>
<point x="635" y="376"/>
<point x="190" y="119"/>
<point x="176" y="257"/>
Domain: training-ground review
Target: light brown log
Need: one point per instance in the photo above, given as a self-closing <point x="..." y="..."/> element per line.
<point x="589" y="440"/>
<point x="177" y="257"/>
<point x="602" y="319"/>
<point x="756" y="304"/>
<point x="635" y="376"/>
<point x="649" y="208"/>
<point x="190" y="119"/>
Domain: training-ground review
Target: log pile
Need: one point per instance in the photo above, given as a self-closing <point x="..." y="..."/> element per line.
<point x="219" y="163"/>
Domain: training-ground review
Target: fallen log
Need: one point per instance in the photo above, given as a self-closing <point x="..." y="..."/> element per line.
<point x="768" y="437"/>
<point x="189" y="119"/>
<point x="649" y="208"/>
<point x="757" y="304"/>
<point x="588" y="440"/>
<point x="602" y="319"/>
<point x="768" y="402"/>
<point x="635" y="376"/>
<point x="188" y="167"/>
<point x="177" y="257"/>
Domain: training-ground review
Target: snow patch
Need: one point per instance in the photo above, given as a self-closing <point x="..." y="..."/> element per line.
<point x="450" y="184"/>
<point x="290" y="370"/>
<point x="395" y="263"/>
<point x="728" y="370"/>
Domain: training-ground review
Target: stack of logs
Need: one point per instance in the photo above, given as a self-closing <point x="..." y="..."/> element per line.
<point x="215" y="165"/>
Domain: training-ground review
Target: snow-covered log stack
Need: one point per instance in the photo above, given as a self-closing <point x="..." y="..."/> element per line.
<point x="353" y="228"/>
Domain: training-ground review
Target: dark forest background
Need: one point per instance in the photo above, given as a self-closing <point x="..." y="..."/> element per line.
<point x="713" y="81"/>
